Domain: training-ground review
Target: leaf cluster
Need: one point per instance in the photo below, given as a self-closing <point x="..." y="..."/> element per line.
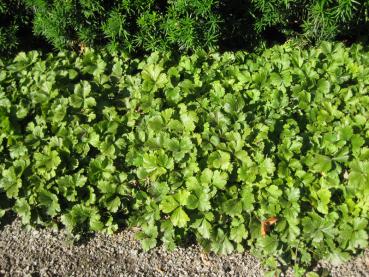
<point x="215" y="146"/>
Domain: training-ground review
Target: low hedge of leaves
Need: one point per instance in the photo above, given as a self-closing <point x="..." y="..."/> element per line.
<point x="268" y="153"/>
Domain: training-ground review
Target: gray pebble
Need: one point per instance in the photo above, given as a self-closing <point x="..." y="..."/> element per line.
<point x="45" y="252"/>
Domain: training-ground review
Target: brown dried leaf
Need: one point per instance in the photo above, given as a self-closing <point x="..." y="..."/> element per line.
<point x="265" y="225"/>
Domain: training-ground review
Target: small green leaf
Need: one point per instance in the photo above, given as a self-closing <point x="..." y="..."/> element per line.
<point x="148" y="243"/>
<point x="113" y="205"/>
<point x="205" y="229"/>
<point x="247" y="198"/>
<point x="156" y="123"/>
<point x="188" y="120"/>
<point x="168" y="204"/>
<point x="10" y="183"/>
<point x="322" y="163"/>
<point x="221" y="244"/>
<point x="95" y="222"/>
<point x="238" y="233"/>
<point x="232" y="207"/>
<point x="22" y="208"/>
<point x="267" y="167"/>
<point x="50" y="201"/>
<point x="49" y="161"/>
<point x="323" y="86"/>
<point x="359" y="176"/>
<point x="345" y="133"/>
<point x="219" y="159"/>
<point x="324" y="196"/>
<point x="206" y="176"/>
<point x="179" y="218"/>
<point x="220" y="179"/>
<point x="181" y="197"/>
<point x="269" y="244"/>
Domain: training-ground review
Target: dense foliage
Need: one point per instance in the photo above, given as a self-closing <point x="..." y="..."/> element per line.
<point x="316" y="20"/>
<point x="266" y="152"/>
<point x="147" y="25"/>
<point x="127" y="24"/>
<point x="13" y="16"/>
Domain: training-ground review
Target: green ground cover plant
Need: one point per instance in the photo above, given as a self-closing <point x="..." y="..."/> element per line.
<point x="266" y="153"/>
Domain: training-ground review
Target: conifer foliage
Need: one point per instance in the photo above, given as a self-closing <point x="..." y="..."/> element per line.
<point x="316" y="20"/>
<point x="146" y="25"/>
<point x="127" y="24"/>
<point x="13" y="17"/>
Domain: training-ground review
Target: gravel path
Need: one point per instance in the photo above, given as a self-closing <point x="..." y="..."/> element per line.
<point x="49" y="253"/>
